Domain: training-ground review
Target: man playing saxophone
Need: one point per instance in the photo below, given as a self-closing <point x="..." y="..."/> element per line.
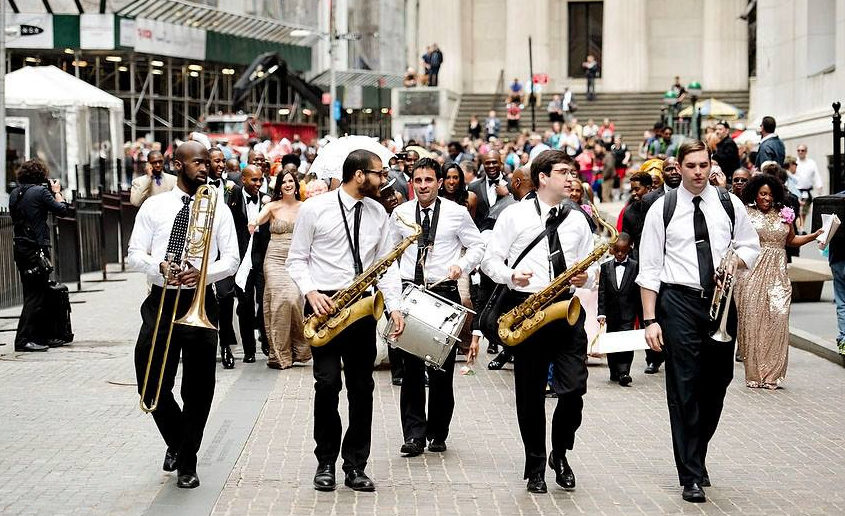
<point x="556" y="342"/>
<point x="338" y="236"/>
<point x="157" y="248"/>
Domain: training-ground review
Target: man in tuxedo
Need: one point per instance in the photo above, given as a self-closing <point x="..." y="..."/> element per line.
<point x="224" y="289"/>
<point x="245" y="204"/>
<point x="619" y="304"/>
<point x="491" y="190"/>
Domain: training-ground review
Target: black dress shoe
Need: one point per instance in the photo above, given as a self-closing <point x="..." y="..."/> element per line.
<point x="564" y="476"/>
<point x="249" y="358"/>
<point x="499" y="362"/>
<point x="625" y="380"/>
<point x="492" y="348"/>
<point x="537" y="484"/>
<point x="55" y="343"/>
<point x="397" y="380"/>
<point x="226" y="357"/>
<point x="614" y="378"/>
<point x="32" y="346"/>
<point x="324" y="478"/>
<point x="705" y="482"/>
<point x="412" y="448"/>
<point x="693" y="493"/>
<point x="738" y="357"/>
<point x="359" y="481"/>
<point x="652" y="368"/>
<point x="188" y="480"/>
<point x="437" y="446"/>
<point x="169" y="461"/>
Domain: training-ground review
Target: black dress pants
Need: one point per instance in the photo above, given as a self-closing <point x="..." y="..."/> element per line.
<point x="251" y="310"/>
<point x="441" y="396"/>
<point x="698" y="372"/>
<point x="355" y="347"/>
<point x="181" y="429"/>
<point x="619" y="363"/>
<point x="565" y="348"/>
<point x="32" y="324"/>
<point x="225" y="290"/>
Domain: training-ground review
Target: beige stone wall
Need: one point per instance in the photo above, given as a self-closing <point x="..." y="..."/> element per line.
<point x="645" y="42"/>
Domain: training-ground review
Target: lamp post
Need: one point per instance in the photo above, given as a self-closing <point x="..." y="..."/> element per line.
<point x="694" y="90"/>
<point x="670" y="100"/>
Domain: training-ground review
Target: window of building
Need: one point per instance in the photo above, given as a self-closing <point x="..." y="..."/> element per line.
<point x="585" y="32"/>
<point x="821" y="36"/>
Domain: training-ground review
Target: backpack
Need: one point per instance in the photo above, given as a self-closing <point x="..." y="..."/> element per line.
<point x="671" y="201"/>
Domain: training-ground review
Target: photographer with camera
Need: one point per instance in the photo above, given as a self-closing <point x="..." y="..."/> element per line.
<point x="29" y="203"/>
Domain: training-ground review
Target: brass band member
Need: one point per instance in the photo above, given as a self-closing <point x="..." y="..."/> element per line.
<point x="677" y="279"/>
<point x="337" y="236"/>
<point x="557" y="343"/>
<point x="446" y="228"/>
<point x="160" y="229"/>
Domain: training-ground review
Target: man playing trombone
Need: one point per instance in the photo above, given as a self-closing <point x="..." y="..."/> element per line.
<point x="158" y="248"/>
<point x="677" y="278"/>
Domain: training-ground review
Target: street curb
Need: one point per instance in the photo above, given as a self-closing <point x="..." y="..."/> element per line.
<point x="814" y="344"/>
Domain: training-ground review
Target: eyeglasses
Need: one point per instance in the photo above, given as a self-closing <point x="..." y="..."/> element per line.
<point x="739" y="180"/>
<point x="384" y="173"/>
<point x="802" y="150"/>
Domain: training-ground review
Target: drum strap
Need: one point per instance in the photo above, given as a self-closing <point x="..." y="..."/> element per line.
<point x="426" y="242"/>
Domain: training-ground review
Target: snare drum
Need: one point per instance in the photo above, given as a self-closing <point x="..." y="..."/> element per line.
<point x="432" y="325"/>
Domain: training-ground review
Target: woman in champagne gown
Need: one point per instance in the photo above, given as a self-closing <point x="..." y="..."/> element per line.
<point x="283" y="305"/>
<point x="763" y="295"/>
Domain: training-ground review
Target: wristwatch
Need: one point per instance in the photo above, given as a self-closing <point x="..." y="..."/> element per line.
<point x="648" y="322"/>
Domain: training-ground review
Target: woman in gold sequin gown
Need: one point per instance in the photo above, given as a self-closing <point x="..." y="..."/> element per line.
<point x="763" y="294"/>
<point x="283" y="305"/>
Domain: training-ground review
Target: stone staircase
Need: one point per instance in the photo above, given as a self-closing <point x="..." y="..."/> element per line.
<point x="632" y="113"/>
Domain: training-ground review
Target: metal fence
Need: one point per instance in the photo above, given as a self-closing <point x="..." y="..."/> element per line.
<point x="95" y="232"/>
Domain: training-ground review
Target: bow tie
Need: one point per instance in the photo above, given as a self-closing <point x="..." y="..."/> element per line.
<point x="214" y="182"/>
<point x="493" y="182"/>
<point x="252" y="198"/>
<point x="621" y="264"/>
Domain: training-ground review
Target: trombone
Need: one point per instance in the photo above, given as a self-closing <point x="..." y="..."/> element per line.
<point x="197" y="246"/>
<point x="722" y="295"/>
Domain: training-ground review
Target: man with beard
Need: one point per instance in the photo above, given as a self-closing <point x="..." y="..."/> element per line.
<point x="153" y="182"/>
<point x="337" y="236"/>
<point x="157" y="242"/>
<point x="403" y="174"/>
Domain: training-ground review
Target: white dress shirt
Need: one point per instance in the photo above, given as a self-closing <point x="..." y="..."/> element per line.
<point x="492" y="196"/>
<point x="455" y="231"/>
<point x="679" y="263"/>
<point x="517" y="227"/>
<point x="620" y="272"/>
<point x="151" y="234"/>
<point x="252" y="208"/>
<point x="320" y="258"/>
<point x="807" y="175"/>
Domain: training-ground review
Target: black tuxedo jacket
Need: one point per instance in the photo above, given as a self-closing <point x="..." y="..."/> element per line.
<point x="622" y="306"/>
<point x="262" y="236"/>
<point x="482" y="209"/>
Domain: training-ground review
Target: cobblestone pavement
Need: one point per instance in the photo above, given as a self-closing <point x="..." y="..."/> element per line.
<point x="74" y="442"/>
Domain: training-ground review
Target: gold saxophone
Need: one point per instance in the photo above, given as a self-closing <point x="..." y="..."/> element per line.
<point x="539" y="309"/>
<point x="349" y="305"/>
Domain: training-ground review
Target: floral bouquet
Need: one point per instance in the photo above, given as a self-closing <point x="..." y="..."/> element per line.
<point x="787" y="215"/>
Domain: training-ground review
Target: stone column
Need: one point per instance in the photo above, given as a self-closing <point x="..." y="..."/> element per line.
<point x="523" y="22"/>
<point x="440" y="22"/>
<point x="624" y="63"/>
<point x="724" y="52"/>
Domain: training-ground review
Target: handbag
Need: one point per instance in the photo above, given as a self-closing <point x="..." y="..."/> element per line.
<point x="29" y="256"/>
<point x="488" y="318"/>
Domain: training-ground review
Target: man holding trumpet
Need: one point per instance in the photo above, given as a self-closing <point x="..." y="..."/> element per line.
<point x="677" y="277"/>
<point x="157" y="248"/>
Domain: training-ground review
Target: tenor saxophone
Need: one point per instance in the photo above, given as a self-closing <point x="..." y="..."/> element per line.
<point x="349" y="304"/>
<point x="525" y="319"/>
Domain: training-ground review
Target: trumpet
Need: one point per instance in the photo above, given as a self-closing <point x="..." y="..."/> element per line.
<point x="197" y="245"/>
<point x="722" y="295"/>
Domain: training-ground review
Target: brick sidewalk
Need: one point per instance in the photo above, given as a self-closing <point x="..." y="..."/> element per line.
<point x="74" y="441"/>
<point x="775" y="452"/>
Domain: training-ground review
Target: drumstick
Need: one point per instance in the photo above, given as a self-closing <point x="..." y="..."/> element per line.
<point x="438" y="282"/>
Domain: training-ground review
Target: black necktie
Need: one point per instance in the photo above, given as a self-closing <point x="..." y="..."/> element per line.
<point x="555" y="252"/>
<point x="422" y="246"/>
<point x="356" y="251"/>
<point x="702" y="246"/>
<point x="176" y="243"/>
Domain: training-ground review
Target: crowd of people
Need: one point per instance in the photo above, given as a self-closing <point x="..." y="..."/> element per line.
<point x="488" y="212"/>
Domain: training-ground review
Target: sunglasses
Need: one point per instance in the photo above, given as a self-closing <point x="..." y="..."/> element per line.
<point x="739" y="180"/>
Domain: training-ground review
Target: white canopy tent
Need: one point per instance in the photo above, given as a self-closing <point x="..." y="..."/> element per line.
<point x="71" y="124"/>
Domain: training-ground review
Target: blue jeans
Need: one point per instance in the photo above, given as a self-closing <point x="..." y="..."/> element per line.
<point x="838" y="270"/>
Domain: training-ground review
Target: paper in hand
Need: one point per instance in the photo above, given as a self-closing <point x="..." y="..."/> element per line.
<point x="830" y="223"/>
